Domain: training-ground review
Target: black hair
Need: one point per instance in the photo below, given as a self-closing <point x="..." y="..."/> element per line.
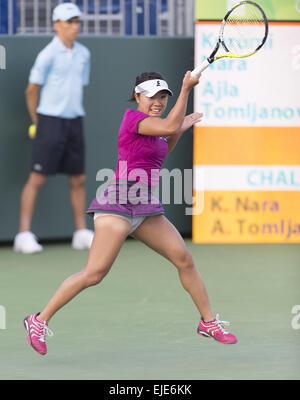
<point x="143" y="77"/>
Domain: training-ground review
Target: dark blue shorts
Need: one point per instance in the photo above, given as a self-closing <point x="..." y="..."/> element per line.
<point x="58" y="146"/>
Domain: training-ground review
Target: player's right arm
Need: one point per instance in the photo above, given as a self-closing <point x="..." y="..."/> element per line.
<point x="32" y="95"/>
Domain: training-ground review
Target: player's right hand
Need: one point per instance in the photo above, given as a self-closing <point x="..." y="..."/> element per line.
<point x="189" y="81"/>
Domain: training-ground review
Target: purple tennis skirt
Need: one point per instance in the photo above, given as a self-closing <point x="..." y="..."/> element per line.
<point x="127" y="198"/>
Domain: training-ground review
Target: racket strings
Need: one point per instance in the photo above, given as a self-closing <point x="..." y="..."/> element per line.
<point x="244" y="30"/>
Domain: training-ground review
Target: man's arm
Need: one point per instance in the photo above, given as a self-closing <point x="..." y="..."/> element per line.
<point x="32" y="95"/>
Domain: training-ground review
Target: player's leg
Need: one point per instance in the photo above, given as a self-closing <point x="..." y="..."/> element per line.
<point x="159" y="234"/>
<point x="110" y="233"/>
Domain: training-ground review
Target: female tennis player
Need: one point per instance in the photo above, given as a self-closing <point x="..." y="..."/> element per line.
<point x="144" y="141"/>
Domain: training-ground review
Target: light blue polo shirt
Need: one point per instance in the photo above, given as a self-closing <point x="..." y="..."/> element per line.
<point x="62" y="73"/>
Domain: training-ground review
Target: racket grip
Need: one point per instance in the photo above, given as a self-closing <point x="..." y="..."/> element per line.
<point x="200" y="68"/>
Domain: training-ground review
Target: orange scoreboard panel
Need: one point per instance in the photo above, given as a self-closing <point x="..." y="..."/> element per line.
<point x="247" y="148"/>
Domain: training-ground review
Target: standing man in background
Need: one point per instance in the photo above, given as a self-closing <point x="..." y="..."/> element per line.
<point x="54" y="100"/>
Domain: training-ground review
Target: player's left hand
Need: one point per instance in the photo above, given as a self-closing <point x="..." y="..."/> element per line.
<point x="190" y="120"/>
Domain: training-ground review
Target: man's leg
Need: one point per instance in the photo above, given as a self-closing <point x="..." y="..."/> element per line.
<point x="28" y="198"/>
<point x="77" y="200"/>
<point x="82" y="238"/>
<point x="25" y="241"/>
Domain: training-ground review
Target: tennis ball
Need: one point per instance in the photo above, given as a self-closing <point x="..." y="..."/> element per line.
<point x="32" y="131"/>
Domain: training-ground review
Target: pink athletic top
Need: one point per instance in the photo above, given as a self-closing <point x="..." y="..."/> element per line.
<point x="140" y="157"/>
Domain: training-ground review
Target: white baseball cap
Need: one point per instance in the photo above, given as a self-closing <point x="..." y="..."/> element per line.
<point x="65" y="11"/>
<point x="151" y="87"/>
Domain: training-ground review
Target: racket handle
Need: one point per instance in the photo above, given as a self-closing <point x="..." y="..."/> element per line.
<point x="200" y="68"/>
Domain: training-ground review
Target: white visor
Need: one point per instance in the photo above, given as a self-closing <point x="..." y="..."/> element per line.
<point x="151" y="87"/>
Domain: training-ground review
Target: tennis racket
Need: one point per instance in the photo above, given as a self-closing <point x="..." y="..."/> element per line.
<point x="244" y="30"/>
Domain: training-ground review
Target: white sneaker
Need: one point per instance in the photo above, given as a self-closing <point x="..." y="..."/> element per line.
<point x="82" y="239"/>
<point x="26" y="243"/>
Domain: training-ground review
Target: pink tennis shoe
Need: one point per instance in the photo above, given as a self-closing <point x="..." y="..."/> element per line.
<point x="37" y="331"/>
<point x="215" y="330"/>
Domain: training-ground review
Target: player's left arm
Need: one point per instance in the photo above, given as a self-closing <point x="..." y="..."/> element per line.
<point x="188" y="122"/>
